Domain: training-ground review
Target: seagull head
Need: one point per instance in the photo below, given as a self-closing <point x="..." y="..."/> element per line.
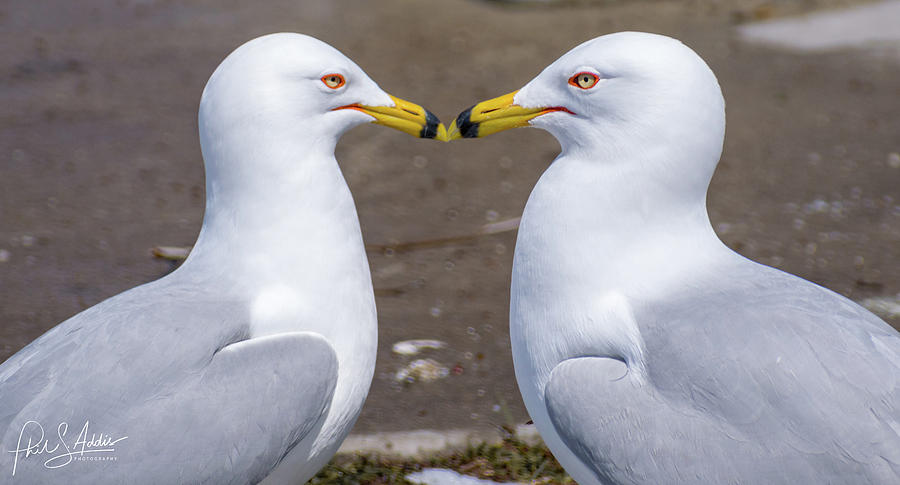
<point x="299" y="86"/>
<point x="617" y="90"/>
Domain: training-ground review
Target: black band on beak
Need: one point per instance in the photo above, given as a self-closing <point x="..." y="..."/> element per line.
<point x="430" y="130"/>
<point x="465" y="126"/>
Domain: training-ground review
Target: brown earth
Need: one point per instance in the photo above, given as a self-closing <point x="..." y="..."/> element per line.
<point x="101" y="161"/>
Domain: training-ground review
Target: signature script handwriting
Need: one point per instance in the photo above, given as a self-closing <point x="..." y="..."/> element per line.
<point x="60" y="453"/>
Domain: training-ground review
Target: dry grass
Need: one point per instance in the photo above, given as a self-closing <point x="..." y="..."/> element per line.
<point x="511" y="460"/>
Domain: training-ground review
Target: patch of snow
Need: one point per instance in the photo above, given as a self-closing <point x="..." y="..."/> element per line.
<point x="413" y="347"/>
<point x="422" y="370"/>
<point x="855" y="27"/>
<point x="438" y="476"/>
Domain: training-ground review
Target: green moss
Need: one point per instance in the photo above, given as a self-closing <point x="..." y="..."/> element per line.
<point x="511" y="460"/>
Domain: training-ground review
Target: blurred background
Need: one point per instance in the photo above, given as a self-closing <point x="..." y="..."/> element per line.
<point x="101" y="163"/>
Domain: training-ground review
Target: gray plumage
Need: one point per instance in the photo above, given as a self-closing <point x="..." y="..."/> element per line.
<point x="251" y="362"/>
<point x="760" y="378"/>
<point x="648" y="352"/>
<point x="168" y="365"/>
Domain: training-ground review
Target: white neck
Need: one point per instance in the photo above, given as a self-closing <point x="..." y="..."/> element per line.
<point x="606" y="222"/>
<point x="273" y="201"/>
<point x="281" y="233"/>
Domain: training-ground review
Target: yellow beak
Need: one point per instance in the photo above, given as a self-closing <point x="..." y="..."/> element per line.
<point x="406" y="117"/>
<point x="498" y="114"/>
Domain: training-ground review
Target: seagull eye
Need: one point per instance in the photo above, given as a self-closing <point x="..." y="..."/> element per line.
<point x="584" y="80"/>
<point x="333" y="81"/>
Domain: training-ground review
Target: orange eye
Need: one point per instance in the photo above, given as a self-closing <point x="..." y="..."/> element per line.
<point x="584" y="80"/>
<point x="333" y="81"/>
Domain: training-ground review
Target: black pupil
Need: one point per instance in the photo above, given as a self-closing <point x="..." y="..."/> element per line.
<point x="585" y="80"/>
<point x="334" y="80"/>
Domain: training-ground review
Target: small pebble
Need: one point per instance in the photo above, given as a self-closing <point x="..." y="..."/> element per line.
<point x="894" y="160"/>
<point x="817" y="205"/>
<point x="18" y="155"/>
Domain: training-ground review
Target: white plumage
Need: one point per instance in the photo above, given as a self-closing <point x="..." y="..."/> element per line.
<point x="250" y="362"/>
<point x="647" y="351"/>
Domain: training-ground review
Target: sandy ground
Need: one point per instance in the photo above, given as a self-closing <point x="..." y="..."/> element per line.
<point x="100" y="161"/>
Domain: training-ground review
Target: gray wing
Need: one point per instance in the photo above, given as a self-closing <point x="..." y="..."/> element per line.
<point x="169" y="373"/>
<point x="763" y="379"/>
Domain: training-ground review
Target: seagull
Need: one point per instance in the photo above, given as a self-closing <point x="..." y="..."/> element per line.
<point x="646" y="351"/>
<point x="250" y="363"/>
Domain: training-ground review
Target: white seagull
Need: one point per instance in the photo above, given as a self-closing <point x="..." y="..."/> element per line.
<point x="250" y="362"/>
<point x="647" y="351"/>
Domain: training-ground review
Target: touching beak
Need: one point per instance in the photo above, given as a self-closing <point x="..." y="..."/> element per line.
<point x="406" y="117"/>
<point x="498" y="114"/>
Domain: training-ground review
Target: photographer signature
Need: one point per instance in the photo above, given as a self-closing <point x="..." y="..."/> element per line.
<point x="60" y="453"/>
